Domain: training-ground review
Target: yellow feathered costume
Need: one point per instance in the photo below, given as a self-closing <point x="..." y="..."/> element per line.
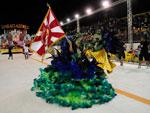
<point x="102" y="59"/>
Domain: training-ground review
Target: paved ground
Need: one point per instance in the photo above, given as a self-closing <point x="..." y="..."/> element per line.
<point x="16" y="78"/>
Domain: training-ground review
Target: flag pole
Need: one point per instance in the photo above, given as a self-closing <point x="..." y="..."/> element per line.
<point x="48" y="5"/>
<point x="42" y="55"/>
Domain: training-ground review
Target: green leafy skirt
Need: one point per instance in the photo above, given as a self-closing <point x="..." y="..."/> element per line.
<point x="56" y="87"/>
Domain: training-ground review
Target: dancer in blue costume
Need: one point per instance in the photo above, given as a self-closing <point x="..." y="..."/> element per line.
<point x="74" y="77"/>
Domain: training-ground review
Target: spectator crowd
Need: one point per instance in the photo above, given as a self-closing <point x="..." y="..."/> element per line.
<point x="141" y="27"/>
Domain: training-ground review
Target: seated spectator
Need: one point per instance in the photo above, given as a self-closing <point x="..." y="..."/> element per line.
<point x="130" y="50"/>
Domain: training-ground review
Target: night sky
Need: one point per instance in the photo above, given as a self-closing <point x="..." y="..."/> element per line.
<point x="32" y="12"/>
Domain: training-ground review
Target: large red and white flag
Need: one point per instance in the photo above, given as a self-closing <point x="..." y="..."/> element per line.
<point x="48" y="34"/>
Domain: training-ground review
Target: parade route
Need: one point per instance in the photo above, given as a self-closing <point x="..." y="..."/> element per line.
<point x="16" y="79"/>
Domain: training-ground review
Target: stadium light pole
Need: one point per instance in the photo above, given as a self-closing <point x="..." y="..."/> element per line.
<point x="97" y="10"/>
<point x="78" y="23"/>
<point x="130" y="29"/>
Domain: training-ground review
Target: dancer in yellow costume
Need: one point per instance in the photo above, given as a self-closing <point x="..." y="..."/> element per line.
<point x="96" y="50"/>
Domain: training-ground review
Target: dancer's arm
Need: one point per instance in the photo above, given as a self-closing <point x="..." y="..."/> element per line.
<point x="70" y="45"/>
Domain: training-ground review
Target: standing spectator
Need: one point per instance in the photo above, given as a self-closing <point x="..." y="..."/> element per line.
<point x="144" y="52"/>
<point x="121" y="55"/>
<point x="26" y="51"/>
<point x="10" y="52"/>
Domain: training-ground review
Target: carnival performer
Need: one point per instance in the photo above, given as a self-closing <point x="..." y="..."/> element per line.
<point x="76" y="75"/>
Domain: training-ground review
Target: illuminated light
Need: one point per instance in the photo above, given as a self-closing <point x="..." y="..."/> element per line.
<point x="61" y="23"/>
<point x="105" y="4"/>
<point x="77" y="16"/>
<point x="88" y="11"/>
<point x="68" y="19"/>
